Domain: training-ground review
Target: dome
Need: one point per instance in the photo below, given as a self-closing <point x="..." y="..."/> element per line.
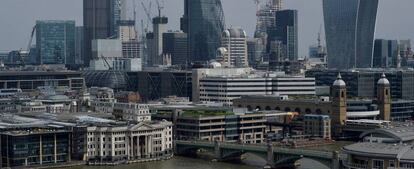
<point x="116" y="80"/>
<point x="383" y="80"/>
<point x="339" y="81"/>
<point x="215" y="64"/>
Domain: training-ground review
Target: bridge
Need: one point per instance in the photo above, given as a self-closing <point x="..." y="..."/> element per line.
<point x="276" y="157"/>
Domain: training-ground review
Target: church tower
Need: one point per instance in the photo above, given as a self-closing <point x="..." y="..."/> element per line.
<point x="338" y="95"/>
<point x="384" y="98"/>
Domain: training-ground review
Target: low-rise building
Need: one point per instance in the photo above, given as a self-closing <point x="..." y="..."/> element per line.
<point x="35" y="147"/>
<point x="121" y="143"/>
<point x="317" y="126"/>
<point x="123" y="111"/>
<point x="216" y="125"/>
<point x="228" y="84"/>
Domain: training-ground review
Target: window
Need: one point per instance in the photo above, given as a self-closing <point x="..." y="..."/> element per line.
<point x="378" y="164"/>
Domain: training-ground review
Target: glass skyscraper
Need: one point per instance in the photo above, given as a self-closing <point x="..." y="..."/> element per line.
<point x="287" y="32"/>
<point x="203" y="21"/>
<point x="55" y="41"/>
<point x="350" y="28"/>
<point x="100" y="21"/>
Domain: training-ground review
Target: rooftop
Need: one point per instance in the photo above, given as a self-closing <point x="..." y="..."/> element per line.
<point x="398" y="151"/>
<point x="401" y="132"/>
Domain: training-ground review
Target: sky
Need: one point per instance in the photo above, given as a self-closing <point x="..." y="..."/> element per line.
<point x="17" y="17"/>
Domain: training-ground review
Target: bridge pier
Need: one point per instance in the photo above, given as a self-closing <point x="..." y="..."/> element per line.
<point x="217" y="151"/>
<point x="270" y="157"/>
<point x="335" y="164"/>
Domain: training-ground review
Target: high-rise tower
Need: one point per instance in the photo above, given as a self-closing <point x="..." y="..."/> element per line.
<point x="100" y="20"/>
<point x="350" y="28"/>
<point x="203" y="21"/>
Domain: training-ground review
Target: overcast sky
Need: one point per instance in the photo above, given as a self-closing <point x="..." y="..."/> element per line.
<point x="17" y="17"/>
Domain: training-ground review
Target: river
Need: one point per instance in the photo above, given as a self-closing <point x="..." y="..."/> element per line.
<point x="252" y="162"/>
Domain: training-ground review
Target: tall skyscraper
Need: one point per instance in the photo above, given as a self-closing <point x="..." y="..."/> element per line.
<point x="160" y="26"/>
<point x="55" y="42"/>
<point x="286" y="31"/>
<point x="235" y="41"/>
<point x="349" y="29"/>
<point x="79" y="46"/>
<point x="203" y="21"/>
<point x="176" y="44"/>
<point x="386" y="54"/>
<point x="100" y="19"/>
<point x="266" y="16"/>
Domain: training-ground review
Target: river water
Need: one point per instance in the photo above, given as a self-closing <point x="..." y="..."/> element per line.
<point x="251" y="162"/>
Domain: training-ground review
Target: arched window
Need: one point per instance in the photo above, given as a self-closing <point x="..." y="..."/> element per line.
<point x="298" y="110"/>
<point x="386" y="92"/>
<point x="287" y="109"/>
<point x="258" y="108"/>
<point x="249" y="108"/>
<point x="277" y="108"/>
<point x="308" y="111"/>
<point x="342" y="94"/>
<point x="268" y="108"/>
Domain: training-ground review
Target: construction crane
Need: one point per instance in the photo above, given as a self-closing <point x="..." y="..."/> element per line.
<point x="147" y="13"/>
<point x="160" y="8"/>
<point x="20" y="53"/>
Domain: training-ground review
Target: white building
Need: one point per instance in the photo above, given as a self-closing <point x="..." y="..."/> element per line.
<point x="235" y="41"/>
<point x="133" y="143"/>
<point x="222" y="85"/>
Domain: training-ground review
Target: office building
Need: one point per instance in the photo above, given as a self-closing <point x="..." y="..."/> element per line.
<point x="100" y="19"/>
<point x="234" y="40"/>
<point x="224" y="89"/>
<point x="160" y="27"/>
<point x="79" y="46"/>
<point x="31" y="80"/>
<point x="131" y="47"/>
<point x="362" y="82"/>
<point x="255" y="50"/>
<point x="176" y="44"/>
<point x="406" y="52"/>
<point x="266" y="17"/>
<point x="203" y="21"/>
<point x="317" y="126"/>
<point x="26" y="148"/>
<point x="156" y="84"/>
<point x="123" y="111"/>
<point x="287" y="32"/>
<point x="55" y="42"/>
<point x="211" y="124"/>
<point x="386" y="54"/>
<point x="350" y="28"/>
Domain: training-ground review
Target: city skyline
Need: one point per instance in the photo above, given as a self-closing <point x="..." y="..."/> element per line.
<point x="310" y="18"/>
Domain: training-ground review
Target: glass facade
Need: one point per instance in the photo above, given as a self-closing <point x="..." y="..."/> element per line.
<point x="203" y="21"/>
<point x="287" y="32"/>
<point x="35" y="149"/>
<point x="55" y="41"/>
<point x="349" y="29"/>
<point x="100" y="19"/>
